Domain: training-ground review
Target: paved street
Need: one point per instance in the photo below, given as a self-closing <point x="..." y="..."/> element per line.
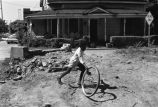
<point x="5" y="49"/>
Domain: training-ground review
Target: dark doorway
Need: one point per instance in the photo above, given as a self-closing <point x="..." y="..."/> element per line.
<point x="93" y="31"/>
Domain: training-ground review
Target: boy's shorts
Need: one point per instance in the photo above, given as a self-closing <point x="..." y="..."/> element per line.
<point x="72" y="64"/>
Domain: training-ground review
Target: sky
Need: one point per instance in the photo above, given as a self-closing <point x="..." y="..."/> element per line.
<point x="13" y="9"/>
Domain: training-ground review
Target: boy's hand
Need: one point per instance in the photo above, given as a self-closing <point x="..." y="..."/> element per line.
<point x="85" y="66"/>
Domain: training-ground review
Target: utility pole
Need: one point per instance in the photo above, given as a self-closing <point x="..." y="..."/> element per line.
<point x="19" y="14"/>
<point x="1" y="10"/>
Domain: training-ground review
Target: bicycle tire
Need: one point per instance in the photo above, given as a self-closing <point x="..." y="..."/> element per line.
<point x="96" y="73"/>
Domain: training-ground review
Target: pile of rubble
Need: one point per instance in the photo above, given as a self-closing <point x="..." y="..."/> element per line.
<point x="51" y="62"/>
<point x="17" y="69"/>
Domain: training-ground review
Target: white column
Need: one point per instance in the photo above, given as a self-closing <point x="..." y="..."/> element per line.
<point x="30" y="26"/>
<point x="57" y="27"/>
<point x="124" y="26"/>
<point x="89" y="23"/>
<point x="105" y="29"/>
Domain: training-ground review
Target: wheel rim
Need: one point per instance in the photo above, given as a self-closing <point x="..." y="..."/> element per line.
<point x="90" y="83"/>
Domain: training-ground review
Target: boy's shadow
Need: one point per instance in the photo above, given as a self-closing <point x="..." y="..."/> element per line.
<point x="102" y="95"/>
<point x="103" y="86"/>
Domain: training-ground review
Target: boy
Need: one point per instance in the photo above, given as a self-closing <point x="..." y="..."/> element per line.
<point x="76" y="60"/>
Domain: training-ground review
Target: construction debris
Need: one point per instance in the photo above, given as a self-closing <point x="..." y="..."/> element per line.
<point x="51" y="62"/>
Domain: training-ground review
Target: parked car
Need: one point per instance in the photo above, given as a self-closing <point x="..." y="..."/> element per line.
<point x="12" y="39"/>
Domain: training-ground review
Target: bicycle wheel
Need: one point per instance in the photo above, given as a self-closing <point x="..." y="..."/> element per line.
<point x="90" y="81"/>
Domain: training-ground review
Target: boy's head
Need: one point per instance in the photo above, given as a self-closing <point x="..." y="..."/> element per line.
<point x="83" y="47"/>
<point x="83" y="43"/>
<point x="85" y="38"/>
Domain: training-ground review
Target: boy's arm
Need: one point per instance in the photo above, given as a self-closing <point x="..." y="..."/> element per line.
<point x="80" y="55"/>
<point x="81" y="58"/>
<point x="82" y="62"/>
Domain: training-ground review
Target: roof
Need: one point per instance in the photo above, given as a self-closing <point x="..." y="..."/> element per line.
<point x="52" y="12"/>
<point x="123" y="11"/>
<point x="96" y="12"/>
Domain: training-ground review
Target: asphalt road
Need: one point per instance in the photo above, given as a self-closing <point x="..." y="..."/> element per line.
<point x="5" y="49"/>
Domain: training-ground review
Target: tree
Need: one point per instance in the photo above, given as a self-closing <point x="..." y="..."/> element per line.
<point x="3" y="26"/>
<point x="20" y="28"/>
<point x="17" y="25"/>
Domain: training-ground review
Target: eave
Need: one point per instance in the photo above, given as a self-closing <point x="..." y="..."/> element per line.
<point x="81" y="2"/>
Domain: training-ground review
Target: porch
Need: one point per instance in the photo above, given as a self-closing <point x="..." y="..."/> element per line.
<point x="98" y="24"/>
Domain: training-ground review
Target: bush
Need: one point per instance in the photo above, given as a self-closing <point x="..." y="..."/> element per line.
<point x="58" y="42"/>
<point x="153" y="39"/>
<point x="123" y="41"/>
<point x="37" y="42"/>
<point x="3" y="26"/>
<point x="48" y="42"/>
<point x="54" y="42"/>
<point x="16" y="25"/>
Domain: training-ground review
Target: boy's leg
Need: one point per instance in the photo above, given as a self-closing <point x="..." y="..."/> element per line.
<point x="63" y="74"/>
<point x="82" y="68"/>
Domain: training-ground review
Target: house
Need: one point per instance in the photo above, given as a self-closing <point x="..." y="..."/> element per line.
<point x="98" y="19"/>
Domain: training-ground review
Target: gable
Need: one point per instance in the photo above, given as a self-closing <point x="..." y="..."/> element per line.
<point x="96" y="10"/>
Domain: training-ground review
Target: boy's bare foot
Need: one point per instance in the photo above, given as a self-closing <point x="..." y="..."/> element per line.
<point x="59" y="81"/>
<point x="89" y="73"/>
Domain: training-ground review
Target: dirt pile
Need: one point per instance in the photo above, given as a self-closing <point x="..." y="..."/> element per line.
<point x="12" y="68"/>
